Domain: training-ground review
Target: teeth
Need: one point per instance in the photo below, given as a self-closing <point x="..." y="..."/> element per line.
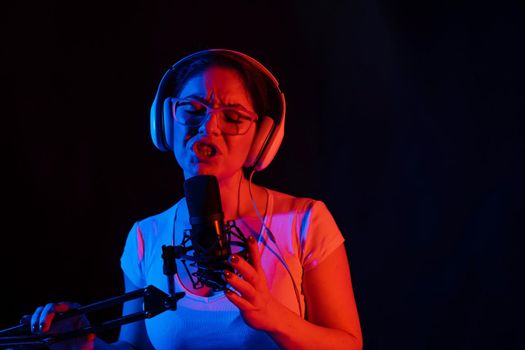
<point x="205" y="150"/>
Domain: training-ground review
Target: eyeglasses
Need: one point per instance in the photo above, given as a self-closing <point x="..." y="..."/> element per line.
<point x="230" y="120"/>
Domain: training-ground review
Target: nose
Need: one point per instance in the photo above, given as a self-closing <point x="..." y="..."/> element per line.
<point x="210" y="125"/>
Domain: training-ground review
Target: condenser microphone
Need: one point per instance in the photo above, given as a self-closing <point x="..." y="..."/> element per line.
<point x="211" y="248"/>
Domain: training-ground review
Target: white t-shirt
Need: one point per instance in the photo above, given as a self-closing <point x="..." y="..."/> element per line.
<point x="304" y="236"/>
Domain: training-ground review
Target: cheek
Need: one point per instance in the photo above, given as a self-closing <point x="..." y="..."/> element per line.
<point x="181" y="135"/>
<point x="180" y="138"/>
<point x="241" y="147"/>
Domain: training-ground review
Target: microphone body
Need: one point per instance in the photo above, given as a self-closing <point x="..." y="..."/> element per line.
<point x="211" y="248"/>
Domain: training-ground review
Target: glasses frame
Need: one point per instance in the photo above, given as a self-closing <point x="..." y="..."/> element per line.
<point x="253" y="117"/>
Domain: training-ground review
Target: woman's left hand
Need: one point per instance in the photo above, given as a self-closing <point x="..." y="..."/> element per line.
<point x="252" y="296"/>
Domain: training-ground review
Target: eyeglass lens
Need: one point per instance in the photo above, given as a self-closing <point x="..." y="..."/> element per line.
<point x="230" y="120"/>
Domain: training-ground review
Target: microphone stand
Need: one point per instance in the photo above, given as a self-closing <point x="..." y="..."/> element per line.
<point x="155" y="302"/>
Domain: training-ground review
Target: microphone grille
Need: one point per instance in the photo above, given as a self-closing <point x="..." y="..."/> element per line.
<point x="203" y="196"/>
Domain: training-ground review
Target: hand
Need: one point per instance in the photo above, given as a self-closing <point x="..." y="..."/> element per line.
<point x="258" y="307"/>
<point x="43" y="321"/>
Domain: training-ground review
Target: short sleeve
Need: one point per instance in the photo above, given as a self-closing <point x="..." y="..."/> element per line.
<point x="132" y="259"/>
<point x="319" y="235"/>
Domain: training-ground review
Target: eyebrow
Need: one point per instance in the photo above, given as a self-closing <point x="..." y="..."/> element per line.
<point x="203" y="100"/>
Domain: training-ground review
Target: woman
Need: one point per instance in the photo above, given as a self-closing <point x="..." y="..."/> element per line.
<point x="222" y="114"/>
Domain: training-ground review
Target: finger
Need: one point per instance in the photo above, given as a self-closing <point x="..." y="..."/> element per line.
<point x="49" y="312"/>
<point x="35" y="320"/>
<point x="247" y="291"/>
<point x="246" y="270"/>
<point x="46" y="317"/>
<point x="65" y="306"/>
<point x="255" y="255"/>
<point x="238" y="301"/>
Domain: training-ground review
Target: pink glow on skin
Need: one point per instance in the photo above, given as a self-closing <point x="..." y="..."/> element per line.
<point x="140" y="243"/>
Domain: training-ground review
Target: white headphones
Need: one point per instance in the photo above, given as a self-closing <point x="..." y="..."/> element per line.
<point x="270" y="131"/>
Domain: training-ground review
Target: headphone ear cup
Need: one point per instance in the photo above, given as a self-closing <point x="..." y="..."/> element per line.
<point x="167" y="121"/>
<point x="260" y="143"/>
<point x="156" y="126"/>
<point x="272" y="146"/>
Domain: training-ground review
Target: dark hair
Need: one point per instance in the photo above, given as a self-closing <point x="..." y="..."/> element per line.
<point x="257" y="84"/>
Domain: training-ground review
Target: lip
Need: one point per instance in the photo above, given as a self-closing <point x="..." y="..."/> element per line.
<point x="199" y="142"/>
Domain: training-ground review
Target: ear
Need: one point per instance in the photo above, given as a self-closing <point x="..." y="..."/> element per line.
<point x="259" y="143"/>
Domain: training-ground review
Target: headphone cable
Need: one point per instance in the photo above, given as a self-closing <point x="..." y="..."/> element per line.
<point x="272" y="237"/>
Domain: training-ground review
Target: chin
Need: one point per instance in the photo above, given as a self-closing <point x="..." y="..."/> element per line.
<point x="201" y="169"/>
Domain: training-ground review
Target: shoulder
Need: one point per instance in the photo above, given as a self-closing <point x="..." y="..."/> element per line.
<point x="159" y="220"/>
<point x="306" y="213"/>
<point x="284" y="202"/>
<point x="311" y="223"/>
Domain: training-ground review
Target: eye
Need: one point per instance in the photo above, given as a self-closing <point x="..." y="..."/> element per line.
<point x="191" y="107"/>
<point x="235" y="116"/>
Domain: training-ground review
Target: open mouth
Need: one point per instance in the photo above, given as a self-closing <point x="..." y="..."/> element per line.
<point x="204" y="149"/>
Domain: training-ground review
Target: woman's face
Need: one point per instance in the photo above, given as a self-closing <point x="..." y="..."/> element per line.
<point x="205" y="150"/>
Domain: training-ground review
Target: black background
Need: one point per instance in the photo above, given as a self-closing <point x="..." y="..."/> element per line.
<point x="405" y="117"/>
